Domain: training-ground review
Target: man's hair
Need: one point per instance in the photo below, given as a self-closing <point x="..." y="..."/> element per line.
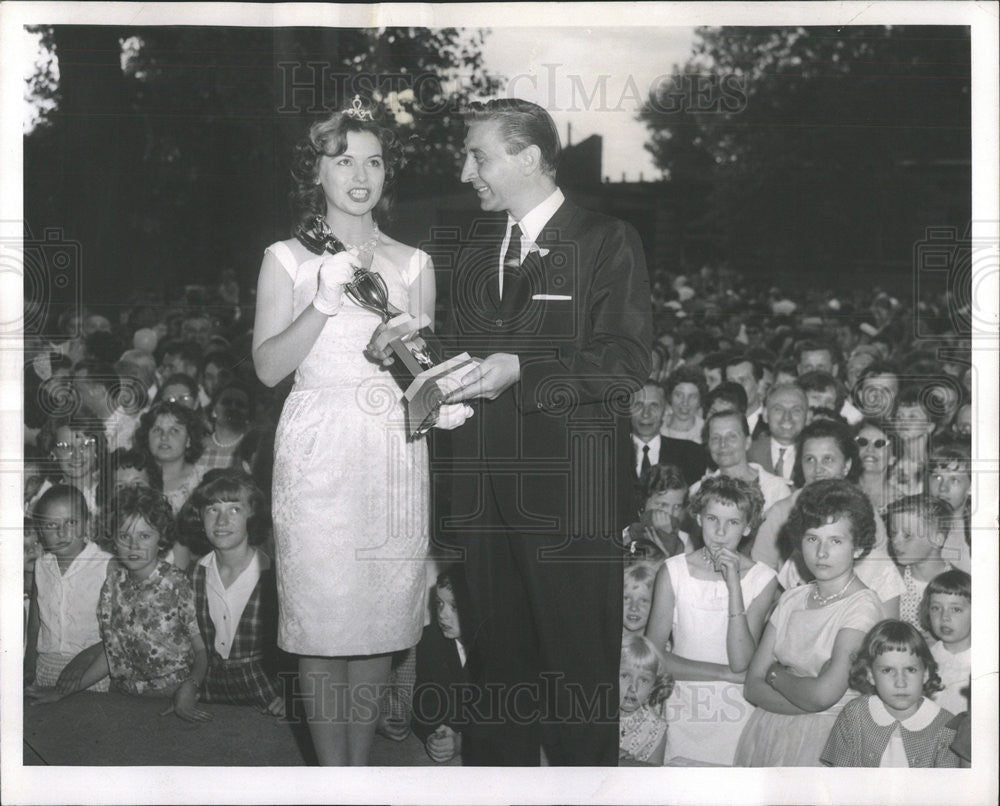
<point x="819" y="381"/>
<point x="189" y="352"/>
<point x="746" y="358"/>
<point x="716" y="360"/>
<point x="815" y="346"/>
<point x="784" y="387"/>
<point x="522" y="124"/>
<point x="729" y="391"/>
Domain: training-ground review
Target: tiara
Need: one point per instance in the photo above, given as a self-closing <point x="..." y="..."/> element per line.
<point x="358" y="110"/>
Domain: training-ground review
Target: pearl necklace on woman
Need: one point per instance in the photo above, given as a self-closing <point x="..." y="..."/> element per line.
<point x="225" y="444"/>
<point x="823" y="601"/>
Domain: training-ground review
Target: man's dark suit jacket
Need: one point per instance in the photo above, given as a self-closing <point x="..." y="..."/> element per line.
<point x="760" y="452"/>
<point x="537" y="499"/>
<point x="550" y="449"/>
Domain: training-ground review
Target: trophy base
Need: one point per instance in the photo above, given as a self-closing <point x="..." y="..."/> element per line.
<point x="427" y="392"/>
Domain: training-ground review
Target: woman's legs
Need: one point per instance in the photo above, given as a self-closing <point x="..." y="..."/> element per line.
<point x="323" y="683"/>
<point x="341" y="697"/>
<point x="367" y="677"/>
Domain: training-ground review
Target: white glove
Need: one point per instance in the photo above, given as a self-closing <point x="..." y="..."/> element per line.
<point x="452" y="415"/>
<point x="335" y="272"/>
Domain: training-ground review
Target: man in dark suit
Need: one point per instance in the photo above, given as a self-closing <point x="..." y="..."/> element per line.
<point x="650" y="447"/>
<point x="785" y="409"/>
<point x="555" y="299"/>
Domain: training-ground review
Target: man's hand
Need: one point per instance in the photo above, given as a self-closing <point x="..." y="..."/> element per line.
<point x="494" y="376"/>
<point x="444" y="744"/>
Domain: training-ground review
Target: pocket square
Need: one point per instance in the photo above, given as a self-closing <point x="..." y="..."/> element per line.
<point x="551" y="297"/>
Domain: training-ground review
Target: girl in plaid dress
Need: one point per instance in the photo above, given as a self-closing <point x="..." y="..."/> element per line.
<point x="235" y="596"/>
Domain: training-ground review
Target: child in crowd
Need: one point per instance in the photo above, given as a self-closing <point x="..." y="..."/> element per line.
<point x="441" y="672"/>
<point x="152" y="646"/>
<point x="637" y="597"/>
<point x="946" y="613"/>
<point x="895" y="724"/>
<point x="918" y="527"/>
<point x="644" y="685"/>
<point x="712" y="603"/>
<point x="235" y="595"/>
<point x="949" y="478"/>
<point x="171" y="436"/>
<point x="798" y="677"/>
<point x="664" y="492"/>
<point x="62" y="618"/>
<point x="131" y="468"/>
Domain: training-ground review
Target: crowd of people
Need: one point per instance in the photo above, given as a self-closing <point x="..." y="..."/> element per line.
<point x="796" y="574"/>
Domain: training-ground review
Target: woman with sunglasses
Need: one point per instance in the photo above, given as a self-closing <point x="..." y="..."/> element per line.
<point x="878" y="450"/>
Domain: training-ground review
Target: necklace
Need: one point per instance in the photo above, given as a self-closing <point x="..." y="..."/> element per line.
<point x="823" y="601"/>
<point x="366" y="246"/>
<point x="226" y="444"/>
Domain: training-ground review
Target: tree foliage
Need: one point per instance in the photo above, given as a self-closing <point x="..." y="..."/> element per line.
<point x="167" y="155"/>
<point x="816" y="149"/>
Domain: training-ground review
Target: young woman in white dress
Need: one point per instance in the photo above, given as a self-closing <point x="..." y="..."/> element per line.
<point x="351" y="491"/>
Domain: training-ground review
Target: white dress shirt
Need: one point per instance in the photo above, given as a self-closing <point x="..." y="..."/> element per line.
<point x="654" y="452"/>
<point x="531" y="227"/>
<point x="789" y="458"/>
<point x="225" y="605"/>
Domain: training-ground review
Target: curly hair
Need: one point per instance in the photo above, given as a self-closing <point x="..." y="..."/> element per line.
<point x="189" y="418"/>
<point x="828" y="500"/>
<point x="743" y="495"/>
<point x="888" y="636"/>
<point x="328" y="138"/>
<point x="150" y="505"/>
<point x="640" y="650"/>
<point x="950" y="583"/>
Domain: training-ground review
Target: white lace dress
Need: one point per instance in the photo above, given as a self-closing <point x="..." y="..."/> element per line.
<point x="351" y="494"/>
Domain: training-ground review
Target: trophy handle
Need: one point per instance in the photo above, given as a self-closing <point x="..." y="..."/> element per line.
<point x="317" y="237"/>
